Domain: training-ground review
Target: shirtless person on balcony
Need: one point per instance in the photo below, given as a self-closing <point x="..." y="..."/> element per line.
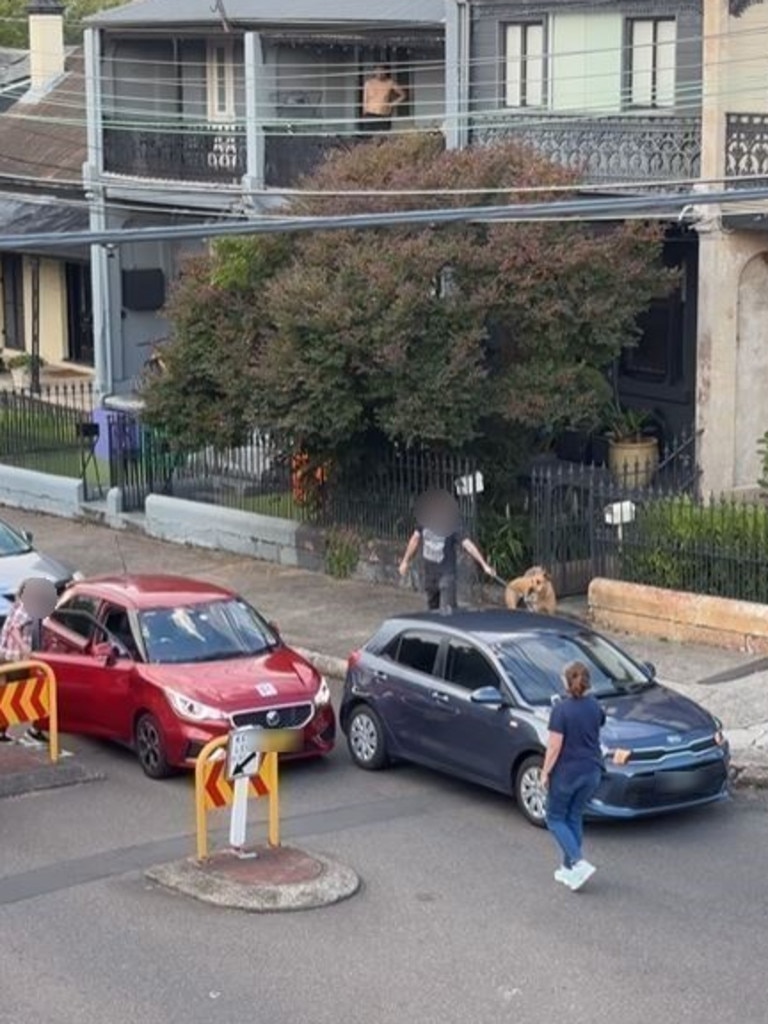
<point x="381" y="95"/>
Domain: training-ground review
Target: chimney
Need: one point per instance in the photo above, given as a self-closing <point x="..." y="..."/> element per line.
<point x="46" y="42"/>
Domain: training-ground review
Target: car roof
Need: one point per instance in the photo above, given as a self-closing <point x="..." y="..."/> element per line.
<point x="489" y="626"/>
<point x="143" y="591"/>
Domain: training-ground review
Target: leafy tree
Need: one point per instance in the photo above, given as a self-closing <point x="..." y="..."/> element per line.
<point x="474" y="333"/>
<point x="14" y="28"/>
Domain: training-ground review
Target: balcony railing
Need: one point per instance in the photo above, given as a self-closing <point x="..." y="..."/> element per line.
<point x="212" y="153"/>
<point x="746" y="148"/>
<point x="610" y="150"/>
<point x="289" y="157"/>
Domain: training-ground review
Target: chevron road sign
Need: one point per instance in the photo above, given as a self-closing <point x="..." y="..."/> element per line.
<point x="28" y="695"/>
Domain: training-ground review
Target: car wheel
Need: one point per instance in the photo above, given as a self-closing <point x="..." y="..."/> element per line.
<point x="530" y="794"/>
<point x="365" y="739"/>
<point x="149" y="742"/>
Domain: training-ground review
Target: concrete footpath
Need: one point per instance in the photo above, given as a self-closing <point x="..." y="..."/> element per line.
<point x="330" y="618"/>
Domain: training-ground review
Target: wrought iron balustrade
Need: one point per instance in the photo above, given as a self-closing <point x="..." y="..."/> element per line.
<point x="288" y="157"/>
<point x="618" y="148"/>
<point x="214" y="153"/>
<point x="746" y="149"/>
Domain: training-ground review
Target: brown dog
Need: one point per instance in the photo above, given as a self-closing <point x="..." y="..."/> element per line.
<point x="534" y="589"/>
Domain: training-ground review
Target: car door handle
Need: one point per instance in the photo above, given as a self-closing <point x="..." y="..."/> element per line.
<point x="442" y="697"/>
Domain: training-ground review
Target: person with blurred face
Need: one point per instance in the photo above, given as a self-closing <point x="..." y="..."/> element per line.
<point x="439" y="534"/>
<point x="18" y="637"/>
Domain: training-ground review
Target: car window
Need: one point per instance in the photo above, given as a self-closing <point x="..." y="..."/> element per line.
<point x="117" y="623"/>
<point x="12" y="543"/>
<point x="536" y="663"/>
<point x="209" y="631"/>
<point x="468" y="667"/>
<point x="77" y="614"/>
<point x="417" y="651"/>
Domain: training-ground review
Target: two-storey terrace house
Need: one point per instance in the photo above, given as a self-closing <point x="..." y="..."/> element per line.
<point x="733" y="321"/>
<point x="611" y="90"/>
<point x="199" y="110"/>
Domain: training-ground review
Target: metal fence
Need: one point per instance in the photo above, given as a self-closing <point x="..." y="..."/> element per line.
<point x="375" y="498"/>
<point x="717" y="547"/>
<point x="51" y="430"/>
<point x="580" y="512"/>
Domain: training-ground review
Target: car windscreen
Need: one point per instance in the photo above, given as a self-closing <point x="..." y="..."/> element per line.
<point x="210" y="631"/>
<point x="535" y="664"/>
<point x="12" y="543"/>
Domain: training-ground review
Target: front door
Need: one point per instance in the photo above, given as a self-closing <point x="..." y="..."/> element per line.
<point x="12" y="268"/>
<point x="94" y="697"/>
<point x="79" y="314"/>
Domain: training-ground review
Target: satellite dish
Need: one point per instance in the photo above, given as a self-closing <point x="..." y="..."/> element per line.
<point x="39" y="598"/>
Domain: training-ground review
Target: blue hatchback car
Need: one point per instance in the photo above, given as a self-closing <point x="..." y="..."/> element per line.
<point x="470" y="694"/>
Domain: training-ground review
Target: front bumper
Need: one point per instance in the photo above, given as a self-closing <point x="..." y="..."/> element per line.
<point x="188" y="739"/>
<point x="640" y="793"/>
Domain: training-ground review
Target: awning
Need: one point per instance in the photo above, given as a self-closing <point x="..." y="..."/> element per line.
<point x="46" y="214"/>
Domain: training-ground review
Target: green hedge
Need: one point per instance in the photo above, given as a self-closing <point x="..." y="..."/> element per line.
<point x="720" y="548"/>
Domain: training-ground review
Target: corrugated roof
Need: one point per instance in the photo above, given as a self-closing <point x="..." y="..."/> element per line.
<point x="14" y="65"/>
<point x="21" y="217"/>
<point x="47" y="139"/>
<point x="273" y="12"/>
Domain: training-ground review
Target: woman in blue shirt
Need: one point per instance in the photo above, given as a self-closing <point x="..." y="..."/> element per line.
<point x="573" y="768"/>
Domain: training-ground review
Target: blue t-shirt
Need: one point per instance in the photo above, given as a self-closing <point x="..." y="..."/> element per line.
<point x="578" y="720"/>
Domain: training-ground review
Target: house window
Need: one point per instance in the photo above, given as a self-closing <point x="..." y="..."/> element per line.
<point x="524" y="65"/>
<point x="221" y="82"/>
<point x="12" y="269"/>
<point x="652" y="46"/>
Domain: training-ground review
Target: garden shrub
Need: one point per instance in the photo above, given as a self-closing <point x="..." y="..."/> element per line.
<point x="718" y="548"/>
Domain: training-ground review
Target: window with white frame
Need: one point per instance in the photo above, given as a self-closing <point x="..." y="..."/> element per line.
<point x="525" y="65"/>
<point x="652" y="53"/>
<point x="221" y="82"/>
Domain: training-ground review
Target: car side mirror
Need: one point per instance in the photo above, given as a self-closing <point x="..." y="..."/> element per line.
<point x="28" y="536"/>
<point x="108" y="652"/>
<point x="274" y="627"/>
<point x="650" y="669"/>
<point x="490" y="696"/>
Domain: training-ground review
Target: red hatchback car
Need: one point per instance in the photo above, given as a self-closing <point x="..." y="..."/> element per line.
<point x="163" y="664"/>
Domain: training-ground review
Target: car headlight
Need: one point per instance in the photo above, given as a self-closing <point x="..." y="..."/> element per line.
<point x="77" y="576"/>
<point x="323" y="695"/>
<point x="193" y="710"/>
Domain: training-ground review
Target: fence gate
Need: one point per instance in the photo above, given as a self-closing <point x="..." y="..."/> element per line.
<point x="140" y="463"/>
<point x="569" y="512"/>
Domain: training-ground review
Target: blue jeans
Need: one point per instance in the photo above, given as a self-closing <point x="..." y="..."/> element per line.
<point x="568" y="797"/>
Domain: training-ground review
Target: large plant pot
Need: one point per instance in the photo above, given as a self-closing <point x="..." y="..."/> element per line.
<point x="21" y="377"/>
<point x="634" y="462"/>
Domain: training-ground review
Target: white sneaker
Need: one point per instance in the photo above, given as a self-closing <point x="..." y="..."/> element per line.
<point x="565" y="875"/>
<point x="580" y="873"/>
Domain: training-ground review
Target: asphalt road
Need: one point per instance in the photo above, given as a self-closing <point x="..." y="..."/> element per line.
<point x="459" y="919"/>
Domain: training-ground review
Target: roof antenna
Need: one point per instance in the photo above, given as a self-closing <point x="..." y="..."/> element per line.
<point x="220" y="9"/>
<point x="122" y="559"/>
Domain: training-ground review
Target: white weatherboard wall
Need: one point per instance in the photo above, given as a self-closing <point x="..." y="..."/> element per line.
<point x="585" y="62"/>
<point x="40" y="492"/>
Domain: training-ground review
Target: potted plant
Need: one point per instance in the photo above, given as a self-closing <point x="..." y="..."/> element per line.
<point x="22" y="366"/>
<point x="633" y="454"/>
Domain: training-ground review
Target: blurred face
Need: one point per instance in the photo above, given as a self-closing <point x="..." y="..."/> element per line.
<point x="380" y="72"/>
<point x="38" y="598"/>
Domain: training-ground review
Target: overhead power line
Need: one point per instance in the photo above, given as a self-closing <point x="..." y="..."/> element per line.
<point x="575" y="210"/>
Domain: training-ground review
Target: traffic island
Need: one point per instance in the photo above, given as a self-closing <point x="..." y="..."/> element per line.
<point x="276" y="879"/>
<point x="30" y="770"/>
